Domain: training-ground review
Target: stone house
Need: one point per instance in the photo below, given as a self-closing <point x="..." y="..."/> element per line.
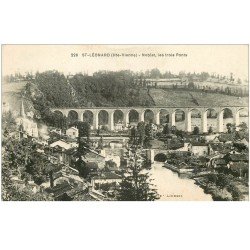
<point x="199" y="149"/>
<point x="106" y="177"/>
<point x="72" y="132"/>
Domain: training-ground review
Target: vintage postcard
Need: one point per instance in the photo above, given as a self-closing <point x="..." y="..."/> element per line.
<point x="125" y="123"/>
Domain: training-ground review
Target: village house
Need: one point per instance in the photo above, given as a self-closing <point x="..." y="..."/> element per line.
<point x="212" y="138"/>
<point x="92" y="156"/>
<point x="199" y="148"/>
<point x="61" y="144"/>
<point x="70" y="156"/>
<point x="72" y="132"/>
<point x="219" y="148"/>
<point x="55" y="132"/>
<point x="72" y="141"/>
<point x="106" y="177"/>
<point x="58" y="149"/>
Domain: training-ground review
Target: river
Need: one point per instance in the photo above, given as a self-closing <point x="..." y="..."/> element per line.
<point x="173" y="188"/>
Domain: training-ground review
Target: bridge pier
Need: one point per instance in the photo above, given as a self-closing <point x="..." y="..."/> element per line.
<point x="126" y="118"/>
<point x="111" y="121"/>
<point x="220" y="122"/>
<point x="188" y="121"/>
<point x="204" y="122"/>
<point x="157" y="118"/>
<point x="172" y="119"/>
<point x="141" y="116"/>
<point x="95" y="121"/>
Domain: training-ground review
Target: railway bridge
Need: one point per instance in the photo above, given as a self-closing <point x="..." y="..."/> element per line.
<point x="157" y="114"/>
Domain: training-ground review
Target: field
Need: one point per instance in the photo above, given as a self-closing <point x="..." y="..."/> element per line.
<point x="183" y="98"/>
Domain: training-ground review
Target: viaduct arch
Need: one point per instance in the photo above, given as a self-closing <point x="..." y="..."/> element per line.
<point x="159" y="115"/>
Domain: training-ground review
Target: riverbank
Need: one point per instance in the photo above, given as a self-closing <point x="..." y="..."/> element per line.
<point x="233" y="191"/>
<point x="172" y="188"/>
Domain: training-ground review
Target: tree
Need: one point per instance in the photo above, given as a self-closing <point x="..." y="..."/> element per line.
<point x="141" y="132"/>
<point x="173" y="129"/>
<point x="149" y="131"/>
<point x="155" y="73"/>
<point x="210" y="130"/>
<point x="230" y="128"/>
<point x="17" y="155"/>
<point x="136" y="186"/>
<point x="223" y="181"/>
<point x="191" y="84"/>
<point x="166" y="129"/>
<point x="243" y="127"/>
<point x="133" y="135"/>
<point x="83" y="137"/>
<point x="212" y="177"/>
<point x="236" y="193"/>
<point x="196" y="130"/>
<point x="82" y="167"/>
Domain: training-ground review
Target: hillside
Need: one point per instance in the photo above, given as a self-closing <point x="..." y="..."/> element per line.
<point x="11" y="93"/>
<point x="182" y="98"/>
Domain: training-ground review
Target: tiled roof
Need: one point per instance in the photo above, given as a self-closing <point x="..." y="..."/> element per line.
<point x="108" y="175"/>
<point x="72" y="128"/>
<point x="92" y="165"/>
<point x="61" y="144"/>
<point x="70" y="151"/>
<point x="62" y="188"/>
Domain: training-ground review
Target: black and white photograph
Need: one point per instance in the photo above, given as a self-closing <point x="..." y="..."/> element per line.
<point x="125" y="123"/>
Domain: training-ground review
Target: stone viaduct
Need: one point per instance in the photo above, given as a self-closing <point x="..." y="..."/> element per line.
<point x="156" y="111"/>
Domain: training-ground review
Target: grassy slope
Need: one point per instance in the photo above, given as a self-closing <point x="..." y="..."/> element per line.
<point x="184" y="98"/>
<point x="160" y="97"/>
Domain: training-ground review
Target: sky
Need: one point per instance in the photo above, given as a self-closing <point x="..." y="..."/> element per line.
<point x="219" y="59"/>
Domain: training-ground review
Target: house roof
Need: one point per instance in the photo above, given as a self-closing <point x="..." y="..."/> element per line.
<point x="72" y="128"/>
<point x="220" y="147"/>
<point x="70" y="151"/>
<point x="238" y="157"/>
<point x="61" y="144"/>
<point x="92" y="165"/>
<point x="84" y="196"/>
<point x="62" y="188"/>
<point x="68" y="139"/>
<point x="107" y="175"/>
<point x="200" y="144"/>
<point x="244" y="141"/>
